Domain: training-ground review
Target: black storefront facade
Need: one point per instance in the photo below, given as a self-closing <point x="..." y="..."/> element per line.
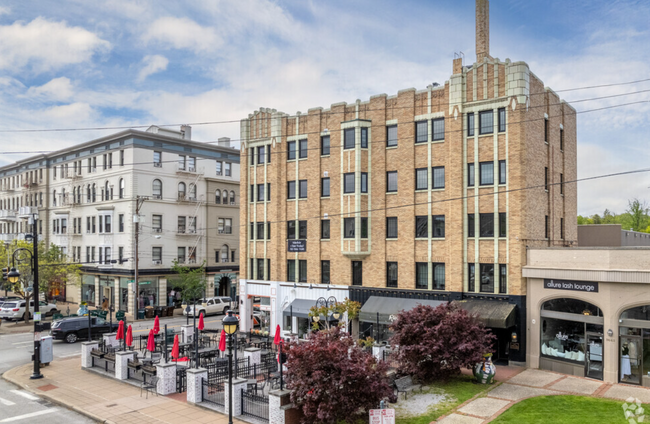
<point x="504" y="315"/>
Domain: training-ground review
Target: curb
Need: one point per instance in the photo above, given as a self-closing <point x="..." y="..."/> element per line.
<point x="54" y="400"/>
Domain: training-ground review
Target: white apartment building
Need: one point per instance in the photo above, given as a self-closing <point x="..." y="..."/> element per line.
<point x="86" y="198"/>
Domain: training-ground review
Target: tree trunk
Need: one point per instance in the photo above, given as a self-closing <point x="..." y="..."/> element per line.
<point x="27" y="298"/>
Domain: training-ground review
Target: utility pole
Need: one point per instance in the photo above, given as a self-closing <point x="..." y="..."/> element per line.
<point x="37" y="324"/>
<point x="139" y="200"/>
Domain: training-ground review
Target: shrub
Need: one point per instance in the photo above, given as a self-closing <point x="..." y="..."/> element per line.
<point x="333" y="380"/>
<point x="437" y="342"/>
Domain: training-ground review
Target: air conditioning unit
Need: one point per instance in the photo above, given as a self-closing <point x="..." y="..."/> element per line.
<point x="219" y="173"/>
<point x="157" y="230"/>
<point x="157" y="262"/>
<point x="181" y="197"/>
<point x="181" y="231"/>
<point x="192" y="199"/>
<point x="157" y="165"/>
<point x="158" y="196"/>
<point x="221" y="231"/>
<point x="191" y="169"/>
<point x="191" y="231"/>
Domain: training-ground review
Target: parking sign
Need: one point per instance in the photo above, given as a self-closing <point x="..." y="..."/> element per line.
<point x="375" y="416"/>
<point x="382" y="416"/>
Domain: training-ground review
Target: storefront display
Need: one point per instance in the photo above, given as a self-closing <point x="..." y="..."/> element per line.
<point x="148" y="293"/>
<point x="634" y="346"/>
<point x="88" y="289"/>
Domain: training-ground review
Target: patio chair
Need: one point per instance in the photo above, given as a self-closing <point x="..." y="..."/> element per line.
<point x="150" y="386"/>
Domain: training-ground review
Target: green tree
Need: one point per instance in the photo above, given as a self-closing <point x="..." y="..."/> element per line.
<point x="54" y="268"/>
<point x="638" y="214"/>
<point x="347" y="311"/>
<point x="191" y="281"/>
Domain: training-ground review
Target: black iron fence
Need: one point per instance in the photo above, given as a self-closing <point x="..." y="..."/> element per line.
<point x="181" y="379"/>
<point x="214" y="393"/>
<point x="254" y="405"/>
<point x="390" y="356"/>
<point x="106" y="364"/>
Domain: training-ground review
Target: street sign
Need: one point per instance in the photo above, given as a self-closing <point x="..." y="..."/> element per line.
<point x="382" y="416"/>
<point x="375" y="416"/>
<point x="37" y="316"/>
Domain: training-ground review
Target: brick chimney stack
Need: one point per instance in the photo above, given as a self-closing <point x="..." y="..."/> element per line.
<point x="482" y="30"/>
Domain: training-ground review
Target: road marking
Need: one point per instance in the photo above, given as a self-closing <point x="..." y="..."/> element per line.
<point x="70" y="355"/>
<point x="19" y="343"/>
<point x="170" y="326"/>
<point x="31" y="415"/>
<point x="6" y="402"/>
<point x="23" y="394"/>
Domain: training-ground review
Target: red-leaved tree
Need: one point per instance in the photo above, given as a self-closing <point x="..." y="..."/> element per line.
<point x="333" y="380"/>
<point x="436" y="343"/>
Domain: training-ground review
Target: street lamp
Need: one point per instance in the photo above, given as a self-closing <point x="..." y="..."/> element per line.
<point x="230" y="326"/>
<point x="13" y="276"/>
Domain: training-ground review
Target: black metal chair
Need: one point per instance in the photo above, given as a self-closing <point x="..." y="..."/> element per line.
<point x="150" y="386"/>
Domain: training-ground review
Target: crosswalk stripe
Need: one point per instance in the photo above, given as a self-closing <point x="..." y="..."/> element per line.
<point x="6" y="402"/>
<point x="23" y="394"/>
<point x="31" y="415"/>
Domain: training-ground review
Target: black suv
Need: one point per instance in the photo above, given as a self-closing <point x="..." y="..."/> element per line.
<point x="75" y="328"/>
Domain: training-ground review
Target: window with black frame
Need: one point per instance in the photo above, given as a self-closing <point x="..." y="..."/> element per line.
<point x="364" y="227"/>
<point x="391" y="227"/>
<point x="391" y="274"/>
<point x="470" y="124"/>
<point x="391" y="181"/>
<point x="302" y="271"/>
<point x="325" y="187"/>
<point x="438" y="177"/>
<point x="470" y="175"/>
<point x="486" y="122"/>
<point x="486" y="173"/>
<point x="438" y="226"/>
<point x="471" y="276"/>
<point x="391" y="136"/>
<point x="291" y="230"/>
<point x="325" y="145"/>
<point x="325" y="229"/>
<point x="421" y="226"/>
<point x="487" y="224"/>
<point x="303" y="149"/>
<point x="325" y="272"/>
<point x="348" y="138"/>
<point x="364" y="137"/>
<point x="357" y="273"/>
<point x="348" y="228"/>
<point x="470" y="225"/>
<point x="291" y="150"/>
<point x="438" y="276"/>
<point x="348" y="182"/>
<point x="421" y="275"/>
<point x="421" y="131"/>
<point x="438" y="129"/>
<point x="487" y="278"/>
<point x="302" y="230"/>
<point x="291" y="270"/>
<point x="421" y="179"/>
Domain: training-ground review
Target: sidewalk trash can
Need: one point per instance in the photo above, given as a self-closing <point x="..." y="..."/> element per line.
<point x="141" y="314"/>
<point x="148" y="312"/>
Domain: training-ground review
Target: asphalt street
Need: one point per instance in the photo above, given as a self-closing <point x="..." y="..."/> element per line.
<point x="20" y="406"/>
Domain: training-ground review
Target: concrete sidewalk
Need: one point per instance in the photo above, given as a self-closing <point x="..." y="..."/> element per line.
<point x="106" y="400"/>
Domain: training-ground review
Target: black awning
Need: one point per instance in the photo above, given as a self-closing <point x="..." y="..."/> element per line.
<point x="491" y="314"/>
<point x="385" y="309"/>
<point x="299" y="308"/>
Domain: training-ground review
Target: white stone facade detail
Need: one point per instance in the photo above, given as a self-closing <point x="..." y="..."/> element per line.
<point x="110" y="340"/>
<point x="187" y="331"/>
<point x="195" y="377"/>
<point x="121" y="364"/>
<point x="86" y="359"/>
<point x="276" y="413"/>
<point x="378" y="352"/>
<point x="255" y="355"/>
<point x="238" y="385"/>
<point x="167" y="379"/>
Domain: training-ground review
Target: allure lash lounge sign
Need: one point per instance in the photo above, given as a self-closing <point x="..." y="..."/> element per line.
<point x="581" y="286"/>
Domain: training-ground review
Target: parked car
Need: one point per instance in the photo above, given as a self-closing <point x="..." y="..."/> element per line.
<point x="211" y="305"/>
<point x="8" y="298"/>
<point x="74" y="328"/>
<point x="15" y="310"/>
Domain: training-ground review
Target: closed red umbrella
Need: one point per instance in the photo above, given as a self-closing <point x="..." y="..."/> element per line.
<point x="222" y="341"/>
<point x="129" y="337"/>
<point x="156" y="325"/>
<point x="175" y="348"/>
<point x="201" y="324"/>
<point x="151" y="344"/>
<point x="120" y="331"/>
<point x="277" y="339"/>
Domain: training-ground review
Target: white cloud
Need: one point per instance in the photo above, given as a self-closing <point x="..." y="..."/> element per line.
<point x="46" y="45"/>
<point x="58" y="89"/>
<point x="151" y="65"/>
<point x="5" y="10"/>
<point x="182" y="33"/>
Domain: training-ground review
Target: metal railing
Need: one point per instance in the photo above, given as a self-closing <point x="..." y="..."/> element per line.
<point x="214" y="393"/>
<point x="181" y="379"/>
<point x="254" y="405"/>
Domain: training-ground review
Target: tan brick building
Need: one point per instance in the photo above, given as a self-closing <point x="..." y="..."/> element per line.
<point x="430" y="194"/>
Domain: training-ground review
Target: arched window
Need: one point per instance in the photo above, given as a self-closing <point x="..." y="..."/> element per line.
<point x="88" y="194"/>
<point x="181" y="191"/>
<point x="93" y="193"/>
<point x="122" y="187"/>
<point x="224" y="253"/>
<point x="54" y="198"/>
<point x="106" y="191"/>
<point x="193" y="191"/>
<point x="232" y="197"/>
<point x="217" y="197"/>
<point x="156" y="188"/>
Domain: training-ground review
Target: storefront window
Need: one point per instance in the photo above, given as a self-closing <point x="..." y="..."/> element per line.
<point x="563" y="339"/>
<point x="88" y="289"/>
<point x="634" y="346"/>
<point x="124" y="294"/>
<point x="572" y="306"/>
<point x="641" y="313"/>
<point x="148" y="293"/>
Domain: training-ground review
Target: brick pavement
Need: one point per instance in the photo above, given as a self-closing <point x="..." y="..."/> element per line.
<point x="106" y="400"/>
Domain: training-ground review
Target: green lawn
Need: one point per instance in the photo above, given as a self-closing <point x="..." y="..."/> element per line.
<point x="564" y="410"/>
<point x="458" y="389"/>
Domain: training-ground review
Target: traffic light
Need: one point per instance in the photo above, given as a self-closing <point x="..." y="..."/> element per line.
<point x="4" y="273"/>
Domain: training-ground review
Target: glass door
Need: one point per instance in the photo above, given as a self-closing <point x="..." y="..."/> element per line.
<point x="594" y="357"/>
<point x="631" y="352"/>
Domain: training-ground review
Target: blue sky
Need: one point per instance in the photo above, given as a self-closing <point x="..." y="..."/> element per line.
<point x="74" y="63"/>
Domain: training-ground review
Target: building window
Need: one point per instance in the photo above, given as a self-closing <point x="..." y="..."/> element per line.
<point x="261" y="154"/>
<point x="107" y="224"/>
<point x="157" y="159"/>
<point x="391" y="227"/>
<point x="486" y="173"/>
<point x="357" y="273"/>
<point x="232" y="197"/>
<point x="260" y="231"/>
<point x="503" y="229"/>
<point x="181" y="162"/>
<point x="156" y="189"/>
<point x="502" y="119"/>
<point x="470" y="175"/>
<point x="291" y="270"/>
<point x="438" y="226"/>
<point x="302" y="230"/>
<point x="470" y="225"/>
<point x="364" y="227"/>
<point x="438" y="129"/>
<point x="546" y="178"/>
<point x="181" y="191"/>
<point x="487" y="224"/>
<point x="471" y="271"/>
<point x="421" y="275"/>
<point x="502" y="172"/>
<point x="503" y="279"/>
<point x="348" y="138"/>
<point x="325" y="229"/>
<point x="291" y="189"/>
<point x="156" y="254"/>
<point x="252" y="155"/>
<point x="470" y="124"/>
<point x="391" y="136"/>
<point x="181" y="255"/>
<point x="391" y="181"/>
<point x="364" y="182"/>
<point x="421" y="226"/>
<point x="291" y="150"/>
<point x="260" y="192"/>
<point x="421" y="179"/>
<point x="438" y="177"/>
<point x="302" y="271"/>
<point x="438" y="276"/>
<point x="121" y="159"/>
<point x="561" y="183"/>
<point x="325" y="145"/>
<point x="260" y="269"/>
<point x="219" y="167"/>
<point x="217" y="197"/>
<point x="120" y="223"/>
<point x="182" y="224"/>
<point x="303" y="189"/>
<point x="348" y="227"/>
<point x="546" y="130"/>
<point x="348" y="182"/>
<point x="486" y="122"/>
<point x="364" y="138"/>
<point x="391" y="274"/>
<point x="325" y="272"/>
<point x="562" y="228"/>
<point x="421" y="131"/>
<point x="302" y="149"/>
<point x="325" y="187"/>
<point x="120" y="254"/>
<point x="156" y="223"/>
<point x="291" y="230"/>
<point x="561" y="139"/>
<point x="228" y="165"/>
<point x="487" y="278"/>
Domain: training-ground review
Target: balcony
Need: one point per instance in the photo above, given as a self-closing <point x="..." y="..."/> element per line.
<point x="7" y="215"/>
<point x="7" y="189"/>
<point x="27" y="211"/>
